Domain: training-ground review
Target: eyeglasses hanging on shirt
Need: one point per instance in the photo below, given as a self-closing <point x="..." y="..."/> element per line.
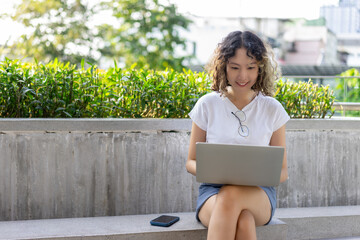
<point x="243" y="129"/>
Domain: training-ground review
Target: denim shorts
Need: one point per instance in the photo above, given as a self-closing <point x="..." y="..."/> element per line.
<point x="207" y="190"/>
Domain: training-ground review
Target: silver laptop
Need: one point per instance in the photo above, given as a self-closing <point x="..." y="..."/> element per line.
<point x="238" y="164"/>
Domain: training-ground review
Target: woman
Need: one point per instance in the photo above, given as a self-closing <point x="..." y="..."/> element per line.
<point x="240" y="110"/>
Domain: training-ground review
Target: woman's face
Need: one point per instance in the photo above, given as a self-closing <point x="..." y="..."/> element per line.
<point x="242" y="71"/>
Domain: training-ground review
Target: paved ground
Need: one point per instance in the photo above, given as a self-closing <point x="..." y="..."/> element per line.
<point x="347" y="238"/>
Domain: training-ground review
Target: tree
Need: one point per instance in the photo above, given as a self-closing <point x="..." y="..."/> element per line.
<point x="148" y="34"/>
<point x="60" y="30"/>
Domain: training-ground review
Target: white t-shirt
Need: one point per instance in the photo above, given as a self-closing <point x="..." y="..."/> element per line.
<point x="264" y="115"/>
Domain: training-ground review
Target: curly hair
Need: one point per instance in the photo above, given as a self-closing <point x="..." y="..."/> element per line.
<point x="255" y="47"/>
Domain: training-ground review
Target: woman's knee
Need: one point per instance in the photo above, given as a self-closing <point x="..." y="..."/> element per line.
<point x="229" y="197"/>
<point x="246" y="221"/>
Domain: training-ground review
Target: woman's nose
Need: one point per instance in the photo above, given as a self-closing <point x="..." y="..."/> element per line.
<point x="242" y="75"/>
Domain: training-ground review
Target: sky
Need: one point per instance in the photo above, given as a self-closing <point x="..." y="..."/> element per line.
<point x="308" y="9"/>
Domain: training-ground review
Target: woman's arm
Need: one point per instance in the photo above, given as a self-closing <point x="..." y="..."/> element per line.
<point x="197" y="135"/>
<point x="278" y="139"/>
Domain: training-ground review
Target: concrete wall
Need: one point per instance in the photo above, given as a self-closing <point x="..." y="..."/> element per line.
<point x="55" y="168"/>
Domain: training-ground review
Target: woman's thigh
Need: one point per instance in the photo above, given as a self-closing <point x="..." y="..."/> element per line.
<point x="206" y="210"/>
<point x="253" y="199"/>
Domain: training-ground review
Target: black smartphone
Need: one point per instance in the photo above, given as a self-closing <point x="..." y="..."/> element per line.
<point x="164" y="221"/>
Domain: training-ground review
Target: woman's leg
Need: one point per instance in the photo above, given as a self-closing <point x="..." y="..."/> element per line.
<point x="246" y="227"/>
<point x="222" y="212"/>
<point x="206" y="210"/>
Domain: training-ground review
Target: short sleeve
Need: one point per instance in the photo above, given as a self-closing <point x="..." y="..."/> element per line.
<point x="281" y="116"/>
<point x="199" y="114"/>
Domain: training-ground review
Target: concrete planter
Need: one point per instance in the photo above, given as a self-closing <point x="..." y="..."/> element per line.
<point x="59" y="168"/>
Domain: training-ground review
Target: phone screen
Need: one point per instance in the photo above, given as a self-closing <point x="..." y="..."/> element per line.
<point x="164" y="220"/>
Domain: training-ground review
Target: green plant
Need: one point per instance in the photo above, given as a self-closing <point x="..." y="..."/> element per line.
<point x="305" y="99"/>
<point x="37" y="90"/>
<point x="154" y="94"/>
<point x="58" y="90"/>
<point x="348" y="89"/>
<point x="148" y="32"/>
<point x="55" y="28"/>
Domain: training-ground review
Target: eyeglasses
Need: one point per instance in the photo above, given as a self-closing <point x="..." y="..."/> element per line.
<point x="243" y="130"/>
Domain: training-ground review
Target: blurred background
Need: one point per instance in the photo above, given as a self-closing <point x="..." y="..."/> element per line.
<point x="312" y="39"/>
<point x="302" y="33"/>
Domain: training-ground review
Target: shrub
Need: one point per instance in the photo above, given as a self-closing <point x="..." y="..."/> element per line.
<point x="305" y="99"/>
<point x="348" y="88"/>
<point x="52" y="90"/>
<point x="58" y="90"/>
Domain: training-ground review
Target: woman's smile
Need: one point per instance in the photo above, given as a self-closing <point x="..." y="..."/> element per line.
<point x="242" y="84"/>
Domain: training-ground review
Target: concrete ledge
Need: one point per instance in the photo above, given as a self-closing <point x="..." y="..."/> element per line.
<point x="134" y="227"/>
<point x="94" y="124"/>
<point x="127" y="124"/>
<point x="335" y="123"/>
<point x="288" y="223"/>
<point x="321" y="222"/>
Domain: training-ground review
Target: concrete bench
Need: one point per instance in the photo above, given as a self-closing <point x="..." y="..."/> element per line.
<point x="288" y="223"/>
<point x="134" y="227"/>
<point x="321" y="222"/>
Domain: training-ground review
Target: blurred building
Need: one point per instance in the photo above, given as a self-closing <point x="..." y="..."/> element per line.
<point x="349" y="44"/>
<point x="301" y="47"/>
<point x="344" y="21"/>
<point x="207" y="32"/>
<point x="344" y="18"/>
<point x="310" y="45"/>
